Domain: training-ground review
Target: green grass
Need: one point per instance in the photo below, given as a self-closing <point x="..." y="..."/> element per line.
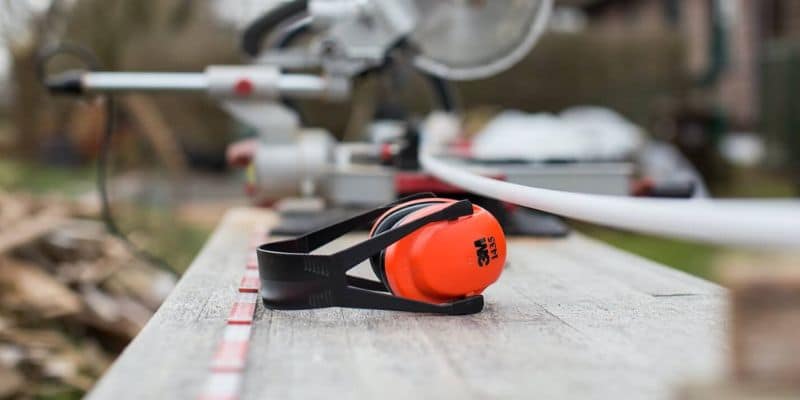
<point x="757" y="183"/>
<point x="158" y="232"/>
<point x="42" y="179"/>
<point x="57" y="391"/>
<point x="179" y="245"/>
<point x="694" y="258"/>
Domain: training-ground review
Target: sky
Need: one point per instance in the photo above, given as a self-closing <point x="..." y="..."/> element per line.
<point x="13" y="23"/>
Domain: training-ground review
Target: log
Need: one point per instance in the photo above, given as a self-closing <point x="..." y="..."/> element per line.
<point x="31" y="228"/>
<point x="29" y="290"/>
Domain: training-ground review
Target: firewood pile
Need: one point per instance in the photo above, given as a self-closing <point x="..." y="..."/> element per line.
<point x="71" y="297"/>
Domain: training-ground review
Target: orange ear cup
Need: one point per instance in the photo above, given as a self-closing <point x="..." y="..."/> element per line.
<point x="442" y="261"/>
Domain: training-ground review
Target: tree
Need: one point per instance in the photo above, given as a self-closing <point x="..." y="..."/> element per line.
<point x="24" y="25"/>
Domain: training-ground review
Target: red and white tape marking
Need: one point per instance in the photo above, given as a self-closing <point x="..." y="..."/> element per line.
<point x="232" y="351"/>
<point x="227" y="366"/>
<point x="252" y="259"/>
<point x="243" y="309"/>
<point x="250" y="282"/>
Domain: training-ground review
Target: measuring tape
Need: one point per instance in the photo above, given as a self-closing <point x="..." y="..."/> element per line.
<point x="227" y="365"/>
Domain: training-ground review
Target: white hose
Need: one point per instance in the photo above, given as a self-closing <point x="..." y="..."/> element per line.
<point x="759" y="223"/>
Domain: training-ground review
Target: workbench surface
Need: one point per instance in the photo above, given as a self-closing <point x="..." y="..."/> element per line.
<point x="569" y="318"/>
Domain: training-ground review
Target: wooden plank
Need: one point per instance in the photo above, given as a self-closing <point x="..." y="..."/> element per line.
<point x="169" y="359"/>
<point x="570" y="318"/>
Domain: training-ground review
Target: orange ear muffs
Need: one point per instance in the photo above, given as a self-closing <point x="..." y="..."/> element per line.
<point x="444" y="260"/>
<point x="434" y="255"/>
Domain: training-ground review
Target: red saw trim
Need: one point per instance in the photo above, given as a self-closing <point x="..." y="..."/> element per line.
<point x="416" y="182"/>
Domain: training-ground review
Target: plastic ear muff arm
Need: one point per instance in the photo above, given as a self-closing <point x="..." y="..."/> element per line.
<point x="284" y="252"/>
<point x="354" y="297"/>
<point x="350" y="257"/>
<point x="315" y="239"/>
<point x="367" y="284"/>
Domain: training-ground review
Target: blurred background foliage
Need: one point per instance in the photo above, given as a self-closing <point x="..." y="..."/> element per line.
<point x="670" y="66"/>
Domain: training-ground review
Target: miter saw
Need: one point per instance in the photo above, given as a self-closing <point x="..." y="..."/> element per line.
<point x="445" y="40"/>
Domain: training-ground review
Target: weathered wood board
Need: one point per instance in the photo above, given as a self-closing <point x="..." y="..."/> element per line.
<point x="570" y="318"/>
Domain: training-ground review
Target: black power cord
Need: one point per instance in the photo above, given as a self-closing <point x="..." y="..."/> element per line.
<point x="102" y="188"/>
<point x="254" y="35"/>
<point x="101" y="176"/>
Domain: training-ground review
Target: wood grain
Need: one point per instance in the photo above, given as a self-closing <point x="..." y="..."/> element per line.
<point x="570" y="318"/>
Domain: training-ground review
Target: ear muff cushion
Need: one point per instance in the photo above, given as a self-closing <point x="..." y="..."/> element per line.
<point x="389" y="221"/>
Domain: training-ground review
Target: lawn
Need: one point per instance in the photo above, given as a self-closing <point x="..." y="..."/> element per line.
<point x="695" y="258"/>
<point x="43" y="179"/>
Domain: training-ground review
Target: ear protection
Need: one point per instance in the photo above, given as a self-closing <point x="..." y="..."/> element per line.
<point x="430" y="255"/>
